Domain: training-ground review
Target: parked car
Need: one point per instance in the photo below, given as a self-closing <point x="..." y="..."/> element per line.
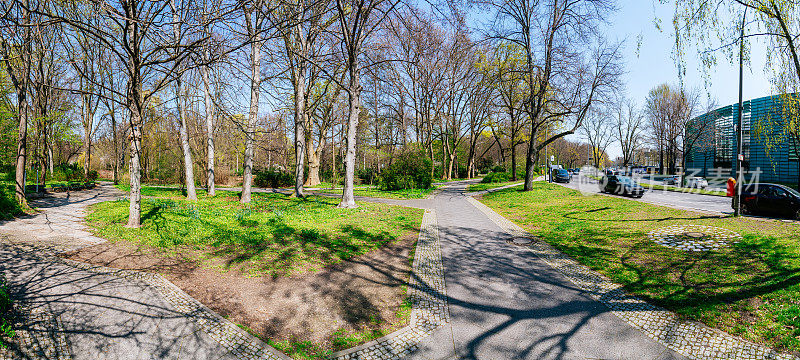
<point x="672" y="180"/>
<point x="576" y="171"/>
<point x="561" y="176"/>
<point x="770" y="199"/>
<point x="621" y="185"/>
<point x="696" y="182"/>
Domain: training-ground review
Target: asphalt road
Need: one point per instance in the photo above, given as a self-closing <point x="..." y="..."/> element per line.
<point x="679" y="200"/>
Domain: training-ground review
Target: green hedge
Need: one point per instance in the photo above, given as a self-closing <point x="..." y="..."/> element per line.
<point x="410" y="170"/>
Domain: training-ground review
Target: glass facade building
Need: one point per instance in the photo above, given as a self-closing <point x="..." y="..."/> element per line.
<point x="769" y="149"/>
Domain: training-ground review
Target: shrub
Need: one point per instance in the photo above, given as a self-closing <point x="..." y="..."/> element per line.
<point x="67" y="172"/>
<point x="496" y="177"/>
<point x="367" y="176"/>
<point x="410" y="170"/>
<point x="9" y="206"/>
<point x="6" y="331"/>
<point x="92" y="175"/>
<point x="272" y="178"/>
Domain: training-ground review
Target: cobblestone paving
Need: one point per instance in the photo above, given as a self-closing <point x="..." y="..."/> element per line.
<point x="690" y="339"/>
<point x="428" y="295"/>
<point x="38" y="335"/>
<point x="693" y="237"/>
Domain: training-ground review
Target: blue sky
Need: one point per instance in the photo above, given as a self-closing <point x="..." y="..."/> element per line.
<point x="653" y="63"/>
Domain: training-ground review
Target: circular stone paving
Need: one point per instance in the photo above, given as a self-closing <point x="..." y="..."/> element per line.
<point x="693" y="237"/>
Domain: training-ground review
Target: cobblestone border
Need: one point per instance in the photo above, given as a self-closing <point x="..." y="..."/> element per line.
<point x="691" y="339"/>
<point x="38" y="334"/>
<point x="429" y="302"/>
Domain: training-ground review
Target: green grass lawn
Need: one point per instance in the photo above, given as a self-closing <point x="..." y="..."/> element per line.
<point x="750" y="289"/>
<point x="273" y="236"/>
<point x="170" y="192"/>
<point x="482" y="186"/>
<point x="404" y="194"/>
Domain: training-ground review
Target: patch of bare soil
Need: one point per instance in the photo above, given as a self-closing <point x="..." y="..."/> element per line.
<point x="363" y="293"/>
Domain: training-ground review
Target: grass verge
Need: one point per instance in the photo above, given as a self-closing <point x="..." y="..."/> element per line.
<point x="482" y="186"/>
<point x="750" y="289"/>
<point x="405" y="194"/>
<point x="274" y="235"/>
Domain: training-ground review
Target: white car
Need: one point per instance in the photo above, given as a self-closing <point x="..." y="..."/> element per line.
<point x="696" y="182"/>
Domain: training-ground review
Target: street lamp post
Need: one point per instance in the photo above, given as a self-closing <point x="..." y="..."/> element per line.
<point x="737" y="206"/>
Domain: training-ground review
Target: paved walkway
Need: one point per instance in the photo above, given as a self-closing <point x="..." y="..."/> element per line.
<point x="506" y="303"/>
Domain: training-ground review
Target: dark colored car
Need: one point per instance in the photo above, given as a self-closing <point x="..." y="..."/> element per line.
<point x="561" y="176"/>
<point x="621" y="185"/>
<point x="771" y="199"/>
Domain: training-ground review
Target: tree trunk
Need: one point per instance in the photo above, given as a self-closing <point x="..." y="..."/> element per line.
<point x="50" y="158"/>
<point x="188" y="162"/>
<point x="299" y="129"/>
<point x="354" y="99"/>
<point x="22" y="147"/>
<point x="255" y="62"/>
<point x="530" y="164"/>
<point x="115" y="162"/>
<point x="135" y="208"/>
<point x="514" y="160"/>
<point x="87" y="131"/>
<point x="313" y="162"/>
<point x="209" y="125"/>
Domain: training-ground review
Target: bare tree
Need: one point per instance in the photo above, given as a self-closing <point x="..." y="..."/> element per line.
<point x="562" y="84"/>
<point x="599" y="133"/>
<point x="254" y="22"/>
<point x="357" y="20"/>
<point x="628" y="125"/>
<point x="16" y="45"/>
<point x="135" y="33"/>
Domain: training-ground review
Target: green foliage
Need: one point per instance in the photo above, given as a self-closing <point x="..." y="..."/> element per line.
<point x="9" y="206"/>
<point x="68" y="172"/>
<point x="408" y="171"/>
<point x="6" y="304"/>
<point x="272" y="178"/>
<point x="496" y="177"/>
<point x="749" y="289"/>
<point x="366" y="176"/>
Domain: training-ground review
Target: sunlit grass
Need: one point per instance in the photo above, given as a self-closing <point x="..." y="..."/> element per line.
<point x="488" y="186"/>
<point x="275" y="235"/>
<point x="404" y="194"/>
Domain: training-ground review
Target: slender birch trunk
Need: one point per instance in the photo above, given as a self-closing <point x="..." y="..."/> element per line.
<point x="255" y="80"/>
<point x="209" y="121"/>
<point x="188" y="168"/>
<point x="354" y="99"/>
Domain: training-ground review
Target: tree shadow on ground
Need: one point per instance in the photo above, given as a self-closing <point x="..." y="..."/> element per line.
<point x="65" y="311"/>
